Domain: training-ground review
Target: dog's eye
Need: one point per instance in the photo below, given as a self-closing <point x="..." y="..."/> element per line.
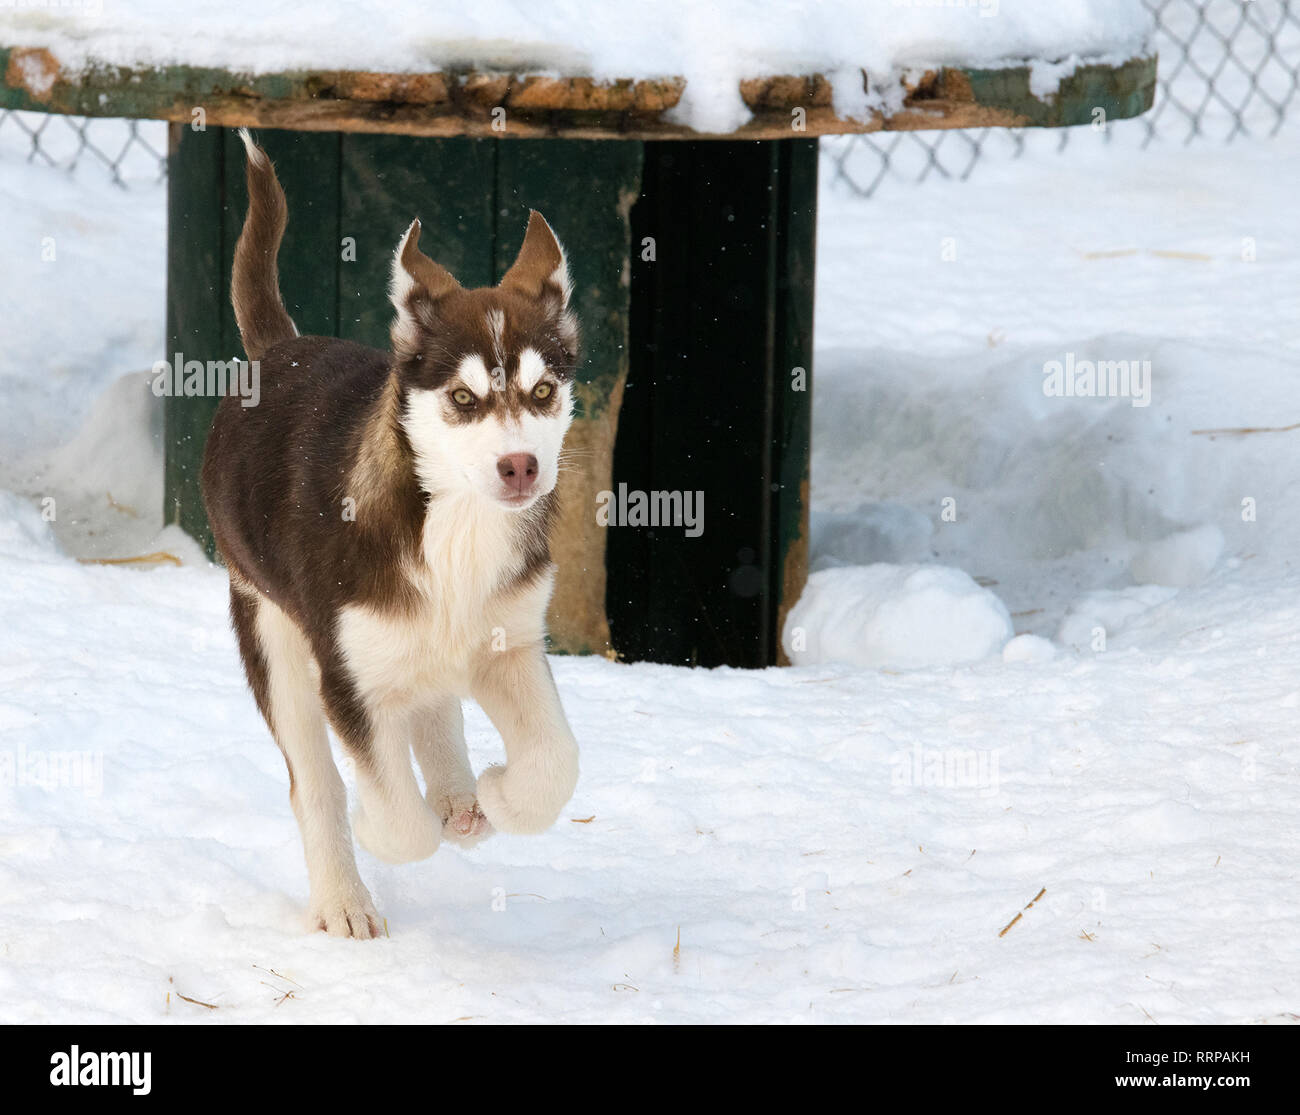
<point x="542" y="391"/>
<point x="462" y="397"/>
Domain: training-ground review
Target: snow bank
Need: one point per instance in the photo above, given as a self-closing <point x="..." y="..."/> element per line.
<point x="941" y="396"/>
<point x="874" y="532"/>
<point x="1184" y="558"/>
<point x="82" y="290"/>
<point x="1029" y="648"/>
<point x="713" y="45"/>
<point x="1094" y="618"/>
<point x="900" y="616"/>
<point x="24" y="533"/>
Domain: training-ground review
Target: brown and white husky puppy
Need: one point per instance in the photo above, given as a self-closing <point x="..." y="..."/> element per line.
<point x="384" y="517"/>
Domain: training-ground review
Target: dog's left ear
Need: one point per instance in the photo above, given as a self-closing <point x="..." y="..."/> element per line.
<point x="414" y="279"/>
<point x="540" y="271"/>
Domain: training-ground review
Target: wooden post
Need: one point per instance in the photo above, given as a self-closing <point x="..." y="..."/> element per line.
<point x="198" y="302"/>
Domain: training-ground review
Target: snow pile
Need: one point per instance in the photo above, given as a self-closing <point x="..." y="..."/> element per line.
<point x="79" y="426"/>
<point x="1095" y="616"/>
<point x="1029" y="648"/>
<point x="874" y="532"/>
<point x="713" y="44"/>
<point x="939" y="401"/>
<point x="24" y="534"/>
<point x="1184" y="558"/>
<point x="1044" y="499"/>
<point x="92" y="260"/>
<point x="900" y="616"/>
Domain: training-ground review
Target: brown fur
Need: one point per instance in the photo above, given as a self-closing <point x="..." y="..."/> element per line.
<point x="435" y="278"/>
<point x="533" y="270"/>
<point x="255" y="291"/>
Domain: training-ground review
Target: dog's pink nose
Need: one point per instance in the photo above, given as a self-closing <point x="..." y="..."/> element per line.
<point x="518" y="471"/>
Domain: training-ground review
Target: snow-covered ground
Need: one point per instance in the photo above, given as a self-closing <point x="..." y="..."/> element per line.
<point x="828" y="842"/>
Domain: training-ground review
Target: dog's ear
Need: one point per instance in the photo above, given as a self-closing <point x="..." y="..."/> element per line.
<point x="540" y="271"/>
<point x="415" y="277"/>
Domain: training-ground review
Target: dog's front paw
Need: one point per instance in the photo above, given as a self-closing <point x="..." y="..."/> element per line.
<point x="463" y="822"/>
<point x="526" y="797"/>
<point x="398" y="839"/>
<point x="351" y="914"/>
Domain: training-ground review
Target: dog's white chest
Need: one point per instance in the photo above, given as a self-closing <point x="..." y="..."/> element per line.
<point x="460" y="610"/>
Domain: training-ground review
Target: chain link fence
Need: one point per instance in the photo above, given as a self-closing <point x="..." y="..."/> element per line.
<point x="128" y="151"/>
<point x="1228" y="69"/>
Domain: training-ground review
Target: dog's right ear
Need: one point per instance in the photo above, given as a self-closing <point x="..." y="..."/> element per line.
<point x="415" y="279"/>
<point x="540" y="270"/>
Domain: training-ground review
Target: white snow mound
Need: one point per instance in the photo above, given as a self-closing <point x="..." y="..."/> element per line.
<point x="1096" y="617"/>
<point x="875" y="532"/>
<point x="1029" y="648"/>
<point x="901" y="616"/>
<point x="1182" y="559"/>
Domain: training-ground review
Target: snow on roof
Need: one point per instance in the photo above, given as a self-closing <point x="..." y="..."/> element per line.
<point x="713" y="44"/>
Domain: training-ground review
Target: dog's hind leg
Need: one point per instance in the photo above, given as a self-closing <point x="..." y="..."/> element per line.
<point x="439" y="745"/>
<point x="282" y="674"/>
<point x="392" y="820"/>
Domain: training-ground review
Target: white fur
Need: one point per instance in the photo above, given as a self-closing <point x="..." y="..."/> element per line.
<point x="516" y="690"/>
<point x="466" y="556"/>
<point x="340" y="902"/>
<point x="438" y="741"/>
<point x="462" y="457"/>
<point x="475" y="375"/>
<point x="464" y="639"/>
<point x="392" y="822"/>
<point x="560" y="276"/>
<point x="400" y="284"/>
<point x="496" y="322"/>
<point x="255" y="154"/>
<point x="531" y="368"/>
<point x="568" y="330"/>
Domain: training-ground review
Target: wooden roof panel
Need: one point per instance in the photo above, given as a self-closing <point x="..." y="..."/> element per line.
<point x="532" y="105"/>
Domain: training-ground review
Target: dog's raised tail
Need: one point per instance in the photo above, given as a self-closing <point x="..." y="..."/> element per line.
<point x="255" y="283"/>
